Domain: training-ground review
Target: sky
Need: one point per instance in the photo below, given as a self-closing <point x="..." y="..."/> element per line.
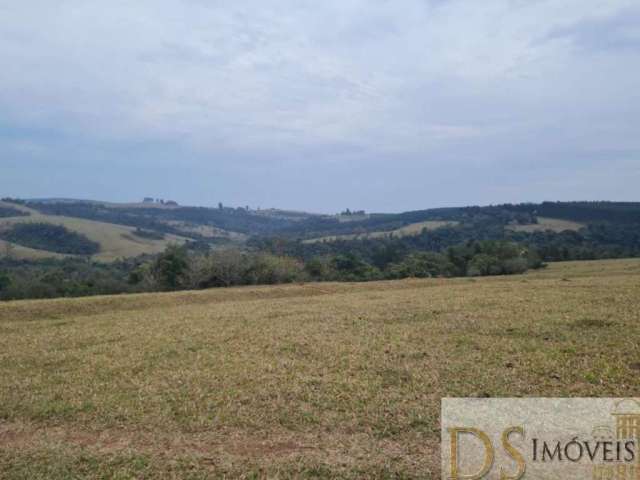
<point x="382" y="105"/>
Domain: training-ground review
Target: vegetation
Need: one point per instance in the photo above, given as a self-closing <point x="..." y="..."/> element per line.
<point x="54" y="238"/>
<point x="68" y="277"/>
<point x="594" y="241"/>
<point x="175" y="269"/>
<point x="5" y="282"/>
<point x="314" y="381"/>
<point x="6" y="212"/>
<point x="159" y="219"/>
<point x="116" y="241"/>
<point x="191" y="267"/>
<point x="283" y="247"/>
<point x="149" y="234"/>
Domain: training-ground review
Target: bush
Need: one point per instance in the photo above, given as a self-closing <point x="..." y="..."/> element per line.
<point x="484" y="264"/>
<point x="225" y="268"/>
<point x="320" y="268"/>
<point x="222" y="268"/>
<point x="266" y="269"/>
<point x="422" y="265"/>
<point x="351" y="268"/>
<point x="68" y="277"/>
<point x="514" y="266"/>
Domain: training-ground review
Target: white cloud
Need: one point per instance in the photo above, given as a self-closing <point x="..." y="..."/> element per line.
<point x="311" y="82"/>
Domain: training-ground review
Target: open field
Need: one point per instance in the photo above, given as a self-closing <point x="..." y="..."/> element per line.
<point x="301" y="381"/>
<point x="407" y="230"/>
<point x="206" y="231"/>
<point x="116" y="241"/>
<point x="553" y="224"/>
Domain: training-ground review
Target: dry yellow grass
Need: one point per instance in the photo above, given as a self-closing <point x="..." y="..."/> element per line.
<point x="207" y="231"/>
<point x="301" y="381"/>
<point x="553" y="224"/>
<point x="407" y="230"/>
<point x="116" y="241"/>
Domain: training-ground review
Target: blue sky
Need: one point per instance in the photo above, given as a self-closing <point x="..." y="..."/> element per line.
<point x="380" y="105"/>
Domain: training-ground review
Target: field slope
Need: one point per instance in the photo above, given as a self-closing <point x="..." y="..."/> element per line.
<point x="301" y="381"/>
<point x="549" y="224"/>
<point x="406" y="231"/>
<point x="116" y="241"/>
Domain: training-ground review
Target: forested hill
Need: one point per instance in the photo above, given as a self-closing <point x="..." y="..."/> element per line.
<point x="193" y="222"/>
<point x="71" y="248"/>
<point x="498" y="215"/>
<point x="556" y="230"/>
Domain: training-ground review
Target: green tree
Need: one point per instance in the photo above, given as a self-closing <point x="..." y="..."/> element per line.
<point x="422" y="265"/>
<point x="350" y="267"/>
<point x="5" y="281"/>
<point x="484" y="264"/>
<point x="171" y="268"/>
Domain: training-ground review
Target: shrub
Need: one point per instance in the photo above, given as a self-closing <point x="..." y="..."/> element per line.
<point x="320" y="268"/>
<point x="484" y="264"/>
<point x="351" y="268"/>
<point x="221" y="268"/>
<point x="422" y="265"/>
<point x="224" y="268"/>
<point x="270" y="269"/>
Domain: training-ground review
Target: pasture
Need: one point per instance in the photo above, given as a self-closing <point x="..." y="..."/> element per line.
<point x="408" y="230"/>
<point x="316" y="381"/>
<point x="116" y="241"/>
<point x="549" y="224"/>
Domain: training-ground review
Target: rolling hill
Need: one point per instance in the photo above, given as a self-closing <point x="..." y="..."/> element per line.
<point x="583" y="229"/>
<point x="407" y="230"/>
<point x="116" y="241"/>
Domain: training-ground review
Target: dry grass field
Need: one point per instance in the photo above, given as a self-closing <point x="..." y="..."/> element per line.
<point x="206" y="231"/>
<point x="116" y="241"/>
<point x="302" y="381"/>
<point x="553" y="224"/>
<point x="407" y="230"/>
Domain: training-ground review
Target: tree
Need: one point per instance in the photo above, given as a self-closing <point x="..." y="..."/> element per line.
<point x="351" y="267"/>
<point x="171" y="267"/>
<point x="422" y="265"/>
<point x="5" y="281"/>
<point x="484" y="264"/>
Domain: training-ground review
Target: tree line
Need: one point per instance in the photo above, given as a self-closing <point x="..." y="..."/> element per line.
<point x="182" y="267"/>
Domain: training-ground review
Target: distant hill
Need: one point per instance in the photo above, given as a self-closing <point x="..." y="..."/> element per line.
<point x="114" y="241"/>
<point x="557" y="216"/>
<point x="131" y="229"/>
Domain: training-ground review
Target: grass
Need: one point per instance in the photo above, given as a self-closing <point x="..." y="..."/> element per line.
<point x="545" y="223"/>
<point x="206" y="231"/>
<point x="302" y="381"/>
<point x="116" y="241"/>
<point x="407" y="230"/>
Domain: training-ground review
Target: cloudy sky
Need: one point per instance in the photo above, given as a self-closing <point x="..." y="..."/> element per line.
<point x="384" y="105"/>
